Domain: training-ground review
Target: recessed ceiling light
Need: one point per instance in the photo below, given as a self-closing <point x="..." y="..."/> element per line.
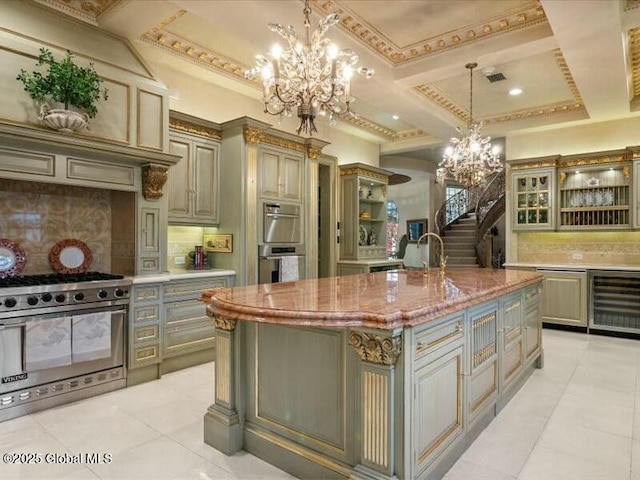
<point x="395" y="117"/>
<point x="515" y="91"/>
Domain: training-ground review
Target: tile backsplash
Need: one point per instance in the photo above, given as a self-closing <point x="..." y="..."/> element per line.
<point x="593" y="248"/>
<point x="180" y="241"/>
<point x="38" y="215"/>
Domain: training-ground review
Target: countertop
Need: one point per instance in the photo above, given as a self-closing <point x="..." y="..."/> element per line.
<point x="372" y="261"/>
<point x="575" y="266"/>
<point x="383" y="300"/>
<point x="181" y="275"/>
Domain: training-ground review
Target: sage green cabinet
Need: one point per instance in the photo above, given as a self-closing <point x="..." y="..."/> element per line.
<point x="145" y="320"/>
<point x="532" y="330"/>
<point x="533" y="199"/>
<point x="512" y="338"/>
<point x="363" y="211"/>
<point x="565" y="297"/>
<point x="437" y="404"/>
<point x="187" y="328"/>
<point x="280" y="174"/>
<point x="193" y="186"/>
<point x="636" y="194"/>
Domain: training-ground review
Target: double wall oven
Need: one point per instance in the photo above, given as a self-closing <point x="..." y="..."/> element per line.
<point x="62" y="338"/>
<point x="281" y="253"/>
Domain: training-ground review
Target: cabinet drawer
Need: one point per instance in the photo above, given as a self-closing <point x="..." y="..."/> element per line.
<point x="435" y="336"/>
<point x="146" y="313"/>
<point x="146" y="333"/>
<point x="146" y="355"/>
<point x="532" y="294"/>
<point x="192" y="289"/>
<point x="177" y="313"/>
<point x="189" y="337"/>
<point x="146" y="293"/>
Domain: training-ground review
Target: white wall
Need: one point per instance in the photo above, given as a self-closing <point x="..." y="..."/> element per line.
<point x="207" y="100"/>
<point x="414" y="201"/>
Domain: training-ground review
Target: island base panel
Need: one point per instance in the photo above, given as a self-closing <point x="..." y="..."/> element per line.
<point x="222" y="430"/>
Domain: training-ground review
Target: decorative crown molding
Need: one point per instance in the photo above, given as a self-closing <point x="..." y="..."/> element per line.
<point x="375" y="348"/>
<point x="85" y="10"/>
<point x="529" y="16"/>
<point x="194" y="128"/>
<point x="576" y="104"/>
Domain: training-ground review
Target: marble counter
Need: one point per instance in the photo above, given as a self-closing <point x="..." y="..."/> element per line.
<point x="383" y="300"/>
<point x="574" y="266"/>
<point x="181" y="274"/>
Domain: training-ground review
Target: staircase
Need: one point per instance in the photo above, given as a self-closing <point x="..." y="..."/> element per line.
<point x="460" y="242"/>
<point x="464" y="221"/>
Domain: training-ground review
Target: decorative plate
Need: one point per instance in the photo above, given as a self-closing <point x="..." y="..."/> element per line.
<point x="12" y="258"/>
<point x="607" y="197"/>
<point x="598" y="198"/>
<point x="70" y="256"/>
<point x="576" y="199"/>
<point x="363" y="236"/>
<point x="588" y="199"/>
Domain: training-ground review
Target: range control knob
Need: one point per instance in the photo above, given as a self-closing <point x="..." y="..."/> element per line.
<point x="10" y="302"/>
<point x="32" y="301"/>
<point x="79" y="296"/>
<point x="60" y="298"/>
<point x="102" y="294"/>
<point x="46" y="297"/>
<point x="118" y="292"/>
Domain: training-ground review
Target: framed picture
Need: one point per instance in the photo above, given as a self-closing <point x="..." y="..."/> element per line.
<point x="218" y="243"/>
<point x="416" y="228"/>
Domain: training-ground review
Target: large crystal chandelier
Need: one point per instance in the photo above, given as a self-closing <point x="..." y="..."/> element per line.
<point x="311" y="77"/>
<point x="470" y="160"/>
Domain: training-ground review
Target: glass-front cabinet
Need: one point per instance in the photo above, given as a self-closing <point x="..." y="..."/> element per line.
<point x="533" y="199"/>
<point x="597" y="197"/>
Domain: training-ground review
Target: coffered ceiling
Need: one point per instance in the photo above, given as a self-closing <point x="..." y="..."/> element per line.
<point x="575" y="60"/>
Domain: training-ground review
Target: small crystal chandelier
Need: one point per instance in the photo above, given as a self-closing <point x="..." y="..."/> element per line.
<point x="470" y="160"/>
<point x="313" y="77"/>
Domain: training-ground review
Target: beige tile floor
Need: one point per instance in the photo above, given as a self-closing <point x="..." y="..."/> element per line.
<point x="576" y="419"/>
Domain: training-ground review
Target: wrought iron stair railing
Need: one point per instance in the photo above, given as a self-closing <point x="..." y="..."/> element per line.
<point x="455" y="207"/>
<point x="490" y="206"/>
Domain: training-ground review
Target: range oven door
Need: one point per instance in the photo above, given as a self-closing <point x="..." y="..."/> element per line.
<point x="12" y="360"/>
<point x="15" y="370"/>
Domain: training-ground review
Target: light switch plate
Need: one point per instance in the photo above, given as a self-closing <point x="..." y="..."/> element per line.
<point x="179" y="260"/>
<point x="576" y="256"/>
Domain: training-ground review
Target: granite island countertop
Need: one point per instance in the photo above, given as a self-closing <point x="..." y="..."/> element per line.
<point x="382" y="300"/>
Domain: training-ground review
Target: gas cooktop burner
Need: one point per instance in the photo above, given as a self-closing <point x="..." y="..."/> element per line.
<point x="56" y="278"/>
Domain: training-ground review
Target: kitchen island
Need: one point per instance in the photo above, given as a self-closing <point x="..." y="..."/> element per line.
<point x="379" y="375"/>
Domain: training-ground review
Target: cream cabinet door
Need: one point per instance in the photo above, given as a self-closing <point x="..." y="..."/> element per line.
<point x="636" y="189"/>
<point x="180" y="180"/>
<point x="205" y="180"/>
<point x="291" y="173"/>
<point x="565" y="297"/>
<point x="269" y="174"/>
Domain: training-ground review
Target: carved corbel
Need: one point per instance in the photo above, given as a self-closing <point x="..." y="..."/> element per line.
<point x="375" y="348"/>
<point x="224" y="323"/>
<point x="153" y="179"/>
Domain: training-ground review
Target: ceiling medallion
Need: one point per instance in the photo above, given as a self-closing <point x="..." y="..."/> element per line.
<point x="470" y="160"/>
<point x="313" y="76"/>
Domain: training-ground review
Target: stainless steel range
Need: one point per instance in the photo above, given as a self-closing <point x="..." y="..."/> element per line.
<point x="62" y="338"/>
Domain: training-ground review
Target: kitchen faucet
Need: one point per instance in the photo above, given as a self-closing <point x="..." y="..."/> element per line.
<point x="443" y="259"/>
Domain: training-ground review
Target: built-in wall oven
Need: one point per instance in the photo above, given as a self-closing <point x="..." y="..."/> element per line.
<point x="280" y="263"/>
<point x="281" y="223"/>
<point x="614" y="300"/>
<point x="60" y="342"/>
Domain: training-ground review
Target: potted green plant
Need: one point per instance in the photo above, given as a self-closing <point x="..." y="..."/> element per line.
<point x="66" y="83"/>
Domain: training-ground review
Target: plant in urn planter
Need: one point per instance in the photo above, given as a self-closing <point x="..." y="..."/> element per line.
<point x="67" y="83"/>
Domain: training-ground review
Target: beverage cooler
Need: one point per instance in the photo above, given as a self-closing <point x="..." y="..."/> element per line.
<point x="615" y="300"/>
